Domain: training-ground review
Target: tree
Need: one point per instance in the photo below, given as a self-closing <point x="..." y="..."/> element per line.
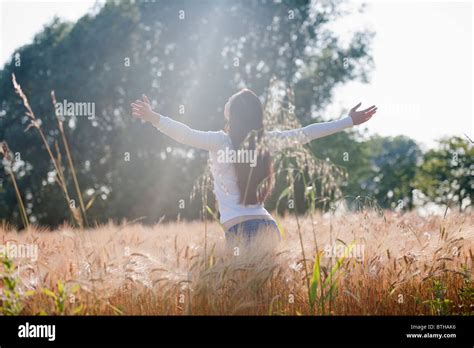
<point x="394" y="161"/>
<point x="446" y="174"/>
<point x="190" y="56"/>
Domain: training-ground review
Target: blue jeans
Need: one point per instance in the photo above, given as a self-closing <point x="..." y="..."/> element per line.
<point x="248" y="230"/>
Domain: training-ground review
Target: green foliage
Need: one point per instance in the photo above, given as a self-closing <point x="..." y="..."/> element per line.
<point x="445" y="176"/>
<point x="62" y="300"/>
<point x="12" y="300"/>
<point x="439" y="304"/>
<point x="187" y="62"/>
<point x="393" y="162"/>
<point x="466" y="294"/>
<point x="350" y="151"/>
<point x="379" y="169"/>
<point x="323" y="288"/>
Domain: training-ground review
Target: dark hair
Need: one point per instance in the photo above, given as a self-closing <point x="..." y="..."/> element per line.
<point x="244" y="113"/>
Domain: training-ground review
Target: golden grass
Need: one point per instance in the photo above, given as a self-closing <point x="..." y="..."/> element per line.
<point x="139" y="270"/>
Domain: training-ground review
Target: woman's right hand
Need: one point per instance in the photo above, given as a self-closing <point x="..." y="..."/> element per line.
<point x="141" y="109"/>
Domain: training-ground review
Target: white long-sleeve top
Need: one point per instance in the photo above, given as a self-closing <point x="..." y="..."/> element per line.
<point x="225" y="180"/>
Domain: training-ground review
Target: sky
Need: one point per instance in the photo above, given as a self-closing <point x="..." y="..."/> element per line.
<point x="422" y="50"/>
<point x="422" y="81"/>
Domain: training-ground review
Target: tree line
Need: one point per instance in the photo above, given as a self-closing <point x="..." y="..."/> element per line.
<point x="190" y="57"/>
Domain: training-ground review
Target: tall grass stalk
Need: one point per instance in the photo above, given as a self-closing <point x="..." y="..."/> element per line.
<point x="5" y="152"/>
<point x="70" y="162"/>
<point x="302" y="251"/>
<point x="60" y="179"/>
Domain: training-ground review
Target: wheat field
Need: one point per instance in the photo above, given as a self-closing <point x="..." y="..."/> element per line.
<point x="404" y="265"/>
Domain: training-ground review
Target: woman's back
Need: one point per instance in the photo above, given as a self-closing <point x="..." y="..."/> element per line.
<point x="240" y="183"/>
<point x="223" y="157"/>
<point x="226" y="186"/>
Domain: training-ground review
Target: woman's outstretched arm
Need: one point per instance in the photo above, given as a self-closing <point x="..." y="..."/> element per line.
<point x="178" y="131"/>
<point x="282" y="139"/>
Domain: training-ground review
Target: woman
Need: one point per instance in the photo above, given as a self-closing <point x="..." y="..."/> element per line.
<point x="241" y="156"/>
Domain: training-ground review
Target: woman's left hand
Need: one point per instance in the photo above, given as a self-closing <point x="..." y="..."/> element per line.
<point x="362" y="116"/>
